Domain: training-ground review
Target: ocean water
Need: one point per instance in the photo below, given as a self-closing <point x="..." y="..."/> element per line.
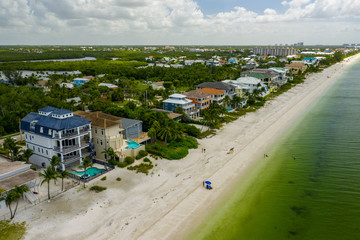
<point x="309" y="187"/>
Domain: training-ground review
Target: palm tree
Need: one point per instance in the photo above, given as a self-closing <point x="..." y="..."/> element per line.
<point x="165" y="131"/>
<point x="227" y="101"/>
<point x="152" y="134"/>
<point x="14" y="195"/>
<point x="27" y="154"/>
<point x="62" y="175"/>
<point x="109" y="152"/>
<point x="86" y="163"/>
<point x="11" y="146"/>
<point x="48" y="174"/>
<point x="54" y="162"/>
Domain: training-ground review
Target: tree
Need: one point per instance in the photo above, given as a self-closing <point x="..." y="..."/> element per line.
<point x="10" y="145"/>
<point x="27" y="154"/>
<point x="109" y="152"/>
<point x="14" y="195"/>
<point x="14" y="77"/>
<point x="227" y="101"/>
<point x="62" y="175"/>
<point x="54" y="162"/>
<point x="179" y="110"/>
<point x="165" y="131"/>
<point x="338" y="56"/>
<point x="48" y="174"/>
<point x="86" y="163"/>
<point x="152" y="133"/>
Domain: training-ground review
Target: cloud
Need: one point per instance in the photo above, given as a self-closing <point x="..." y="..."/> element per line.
<point x="171" y="19"/>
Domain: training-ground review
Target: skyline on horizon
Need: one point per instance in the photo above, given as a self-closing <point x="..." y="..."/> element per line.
<point x="179" y="22"/>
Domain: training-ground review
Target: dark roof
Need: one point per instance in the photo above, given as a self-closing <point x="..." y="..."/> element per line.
<point x="47" y="109"/>
<point x="61" y="111"/>
<point x="217" y="85"/>
<point x="55" y="123"/>
<point x="126" y="122"/>
<point x="196" y="94"/>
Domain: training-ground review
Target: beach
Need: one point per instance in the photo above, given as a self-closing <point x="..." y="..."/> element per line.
<point x="171" y="202"/>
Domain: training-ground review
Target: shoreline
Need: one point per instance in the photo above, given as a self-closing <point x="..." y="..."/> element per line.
<point x="171" y="202"/>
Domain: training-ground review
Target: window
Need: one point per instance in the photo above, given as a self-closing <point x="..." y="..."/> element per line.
<point x="97" y="141"/>
<point x="49" y="131"/>
<point x="25" y="136"/>
<point x="34" y="148"/>
<point x="47" y="153"/>
<point x="41" y="130"/>
<point x="42" y="150"/>
<point x="102" y="131"/>
<point x="100" y="142"/>
<point x="38" y="149"/>
<point x="95" y="130"/>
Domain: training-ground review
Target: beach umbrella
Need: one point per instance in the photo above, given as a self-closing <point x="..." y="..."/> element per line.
<point x="208" y="182"/>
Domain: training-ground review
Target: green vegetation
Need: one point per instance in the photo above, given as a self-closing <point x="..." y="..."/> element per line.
<point x="141" y="154"/>
<point x="173" y="150"/>
<point x="12" y="231"/>
<point x="129" y="160"/>
<point x="97" y="188"/>
<point x="86" y="163"/>
<point x="142" y="167"/>
<point x="118" y="179"/>
<point x="103" y="178"/>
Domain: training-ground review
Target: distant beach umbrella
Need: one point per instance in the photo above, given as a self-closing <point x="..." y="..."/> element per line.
<point x="208" y="182"/>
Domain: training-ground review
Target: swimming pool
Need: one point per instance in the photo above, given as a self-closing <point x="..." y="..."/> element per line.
<point x="90" y="171"/>
<point x="229" y="109"/>
<point x="132" y="144"/>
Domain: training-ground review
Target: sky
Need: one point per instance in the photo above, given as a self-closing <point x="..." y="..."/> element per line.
<point x="179" y="22"/>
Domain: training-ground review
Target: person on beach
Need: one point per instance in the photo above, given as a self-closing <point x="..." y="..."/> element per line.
<point x="204" y="149"/>
<point x="203" y="184"/>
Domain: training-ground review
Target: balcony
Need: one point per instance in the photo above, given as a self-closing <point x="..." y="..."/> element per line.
<point x="71" y="134"/>
<point x="67" y="149"/>
<point x="71" y="159"/>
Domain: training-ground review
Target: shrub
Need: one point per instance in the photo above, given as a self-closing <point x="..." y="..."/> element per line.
<point x="118" y="179"/>
<point x="97" y="188"/>
<point x="12" y="230"/>
<point x="129" y="160"/>
<point x="147" y="160"/>
<point x="173" y="150"/>
<point x="122" y="164"/>
<point x="103" y="178"/>
<point x="142" y="167"/>
<point x="191" y="130"/>
<point x="143" y="153"/>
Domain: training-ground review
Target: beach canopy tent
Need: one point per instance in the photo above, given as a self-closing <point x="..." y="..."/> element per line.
<point x="208" y="182"/>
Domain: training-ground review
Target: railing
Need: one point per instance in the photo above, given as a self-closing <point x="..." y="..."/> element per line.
<point x="72" y="147"/>
<point x="70" y="134"/>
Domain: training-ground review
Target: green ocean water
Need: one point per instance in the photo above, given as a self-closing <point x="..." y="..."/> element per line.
<point x="314" y="196"/>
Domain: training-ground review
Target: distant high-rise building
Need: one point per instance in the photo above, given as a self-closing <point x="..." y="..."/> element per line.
<point x="274" y="51"/>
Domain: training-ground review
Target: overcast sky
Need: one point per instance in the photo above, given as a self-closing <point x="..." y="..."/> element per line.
<point x="180" y="22"/>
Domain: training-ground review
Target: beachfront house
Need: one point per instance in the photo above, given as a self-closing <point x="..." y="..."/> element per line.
<point x="80" y="81"/>
<point x="296" y="67"/>
<point x="252" y="83"/>
<point x="229" y="89"/>
<point x="180" y="100"/>
<point x="267" y="76"/>
<point x="200" y="99"/>
<point x="56" y="132"/>
<point x="216" y="95"/>
<point x="119" y="133"/>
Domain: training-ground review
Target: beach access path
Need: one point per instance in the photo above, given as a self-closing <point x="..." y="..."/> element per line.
<point x="171" y="201"/>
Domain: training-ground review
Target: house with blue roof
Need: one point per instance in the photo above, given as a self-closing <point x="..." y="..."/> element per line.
<point x="56" y="132"/>
<point x="80" y="81"/>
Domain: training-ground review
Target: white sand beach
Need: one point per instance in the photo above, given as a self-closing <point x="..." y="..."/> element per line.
<point x="171" y="201"/>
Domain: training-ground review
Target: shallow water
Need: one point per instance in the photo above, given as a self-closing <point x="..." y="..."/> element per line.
<point x="315" y="195"/>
